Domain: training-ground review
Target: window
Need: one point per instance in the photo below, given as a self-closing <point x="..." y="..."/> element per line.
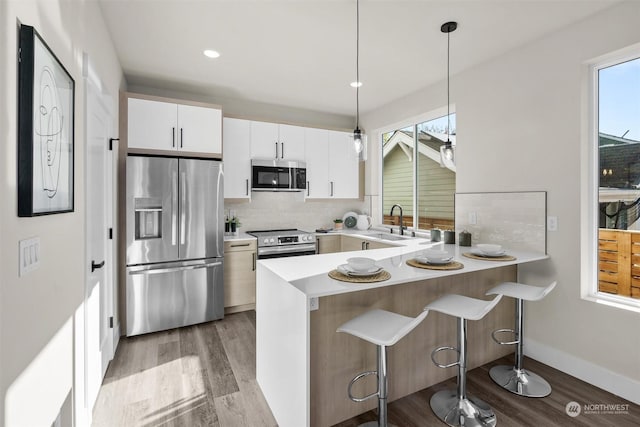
<point x="618" y="178"/>
<point x="413" y="177"/>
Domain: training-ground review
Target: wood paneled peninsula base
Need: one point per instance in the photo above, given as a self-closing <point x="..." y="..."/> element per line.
<point x="303" y="366"/>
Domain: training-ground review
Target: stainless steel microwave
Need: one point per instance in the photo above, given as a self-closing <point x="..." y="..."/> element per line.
<point x="278" y="175"/>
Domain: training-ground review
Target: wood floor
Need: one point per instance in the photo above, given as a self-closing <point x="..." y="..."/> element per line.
<point x="204" y="375"/>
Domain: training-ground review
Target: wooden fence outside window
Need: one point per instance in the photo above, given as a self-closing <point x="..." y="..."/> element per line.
<point x="619" y="262"/>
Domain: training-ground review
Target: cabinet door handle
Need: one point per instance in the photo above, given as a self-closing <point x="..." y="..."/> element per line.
<point x="181" y="138"/>
<point x="317" y="245"/>
<point x="362" y="245"/>
<point x="96" y="265"/>
<point x="308" y="188"/>
<point x="247" y="186"/>
<point x="254" y="261"/>
<point x="238" y="245"/>
<point x="173" y="137"/>
<point x="367" y="246"/>
<point x="282" y="150"/>
<point x="276" y="150"/>
<point x="331" y="188"/>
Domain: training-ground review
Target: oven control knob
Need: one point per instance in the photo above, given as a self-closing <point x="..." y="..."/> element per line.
<point x="266" y="241"/>
<point x="272" y="240"/>
<point x="303" y="238"/>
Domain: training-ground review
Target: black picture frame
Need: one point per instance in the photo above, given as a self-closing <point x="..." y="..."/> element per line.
<point x="46" y="110"/>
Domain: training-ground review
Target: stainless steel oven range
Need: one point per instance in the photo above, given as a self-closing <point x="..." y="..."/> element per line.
<point x="283" y="243"/>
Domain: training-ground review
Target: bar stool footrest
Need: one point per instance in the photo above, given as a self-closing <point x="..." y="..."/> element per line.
<point x="509" y="330"/>
<point x="357" y="378"/>
<point x="445" y="348"/>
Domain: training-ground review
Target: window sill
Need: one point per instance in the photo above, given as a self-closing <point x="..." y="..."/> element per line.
<point x="624" y="303"/>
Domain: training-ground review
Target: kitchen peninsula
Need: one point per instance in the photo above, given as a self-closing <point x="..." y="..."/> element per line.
<point x="303" y="366"/>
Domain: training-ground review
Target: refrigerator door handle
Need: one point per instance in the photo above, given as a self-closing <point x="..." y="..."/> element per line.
<point x="174" y="207"/>
<point x="163" y="270"/>
<point x="183" y="206"/>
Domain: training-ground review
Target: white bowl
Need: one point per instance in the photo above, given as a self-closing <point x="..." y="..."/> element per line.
<point x="489" y="248"/>
<point x="436" y="255"/>
<point x="361" y="263"/>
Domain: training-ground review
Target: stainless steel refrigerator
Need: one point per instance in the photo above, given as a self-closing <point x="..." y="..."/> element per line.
<point x="175" y="232"/>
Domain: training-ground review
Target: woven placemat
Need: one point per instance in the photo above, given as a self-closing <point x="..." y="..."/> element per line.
<point x="486" y="258"/>
<point x="379" y="277"/>
<point x="455" y="265"/>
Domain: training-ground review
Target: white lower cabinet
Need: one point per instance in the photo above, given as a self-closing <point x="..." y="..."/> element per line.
<point x="237" y="158"/>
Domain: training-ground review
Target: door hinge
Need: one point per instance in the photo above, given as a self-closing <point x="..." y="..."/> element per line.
<point x="111" y="234"/>
<point x="111" y="142"/>
<point x="111" y="322"/>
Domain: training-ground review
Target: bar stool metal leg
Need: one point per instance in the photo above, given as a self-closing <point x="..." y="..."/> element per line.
<point x="453" y="406"/>
<point x="382" y="392"/>
<point x="515" y="378"/>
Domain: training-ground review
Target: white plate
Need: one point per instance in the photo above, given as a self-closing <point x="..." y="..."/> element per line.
<point x="479" y="252"/>
<point x="348" y="214"/>
<point x="427" y="261"/>
<point x="346" y="269"/>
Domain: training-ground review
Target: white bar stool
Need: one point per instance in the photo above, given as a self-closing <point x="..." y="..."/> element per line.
<point x="454" y="407"/>
<point x="382" y="328"/>
<point x="515" y="378"/>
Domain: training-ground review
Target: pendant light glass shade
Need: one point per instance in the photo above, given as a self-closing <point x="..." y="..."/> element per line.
<point x="447" y="150"/>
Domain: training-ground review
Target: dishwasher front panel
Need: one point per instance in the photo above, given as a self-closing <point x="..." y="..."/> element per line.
<point x="171" y="295"/>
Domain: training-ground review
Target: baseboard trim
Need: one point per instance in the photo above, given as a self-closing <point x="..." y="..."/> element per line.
<point x="591" y="373"/>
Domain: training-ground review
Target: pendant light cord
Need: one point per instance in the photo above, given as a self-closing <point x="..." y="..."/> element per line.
<point x="448" y="95"/>
<point x="357" y="63"/>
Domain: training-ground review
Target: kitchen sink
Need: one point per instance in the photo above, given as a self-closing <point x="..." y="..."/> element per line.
<point x="386" y="236"/>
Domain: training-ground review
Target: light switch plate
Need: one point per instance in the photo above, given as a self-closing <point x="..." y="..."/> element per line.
<point x="314" y="304"/>
<point x="473" y="218"/>
<point x="29" y="255"/>
<point x="552" y="223"/>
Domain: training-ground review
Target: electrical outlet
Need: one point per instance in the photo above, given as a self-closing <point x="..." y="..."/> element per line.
<point x="552" y="223"/>
<point x="473" y="218"/>
<point x="314" y="303"/>
<point x="29" y="255"/>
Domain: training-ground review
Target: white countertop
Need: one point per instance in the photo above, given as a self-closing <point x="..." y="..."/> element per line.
<point x="240" y="236"/>
<point x="309" y="273"/>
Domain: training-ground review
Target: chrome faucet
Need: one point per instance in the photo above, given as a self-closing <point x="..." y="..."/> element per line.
<point x="401" y="218"/>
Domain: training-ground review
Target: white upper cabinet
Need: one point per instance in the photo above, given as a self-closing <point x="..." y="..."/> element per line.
<point x="275" y="141"/>
<point x="237" y="158"/>
<point x="200" y="129"/>
<point x="152" y="124"/>
<point x="291" y="141"/>
<point x="332" y="165"/>
<point x="344" y="167"/>
<point x="317" y="158"/>
<point x="157" y="125"/>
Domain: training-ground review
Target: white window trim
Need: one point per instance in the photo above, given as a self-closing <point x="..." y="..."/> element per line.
<point x="590" y="183"/>
<point x="377" y="133"/>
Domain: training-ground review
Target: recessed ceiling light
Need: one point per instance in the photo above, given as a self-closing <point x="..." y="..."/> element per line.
<point x="211" y="53"/>
<point x="356" y="84"/>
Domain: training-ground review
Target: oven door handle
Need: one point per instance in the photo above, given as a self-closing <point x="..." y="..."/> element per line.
<point x="293" y="249"/>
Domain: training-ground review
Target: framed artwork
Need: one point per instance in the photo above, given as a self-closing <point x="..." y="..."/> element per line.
<point x="45" y="129"/>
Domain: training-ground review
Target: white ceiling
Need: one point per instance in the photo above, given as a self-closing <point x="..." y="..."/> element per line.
<point x="301" y="53"/>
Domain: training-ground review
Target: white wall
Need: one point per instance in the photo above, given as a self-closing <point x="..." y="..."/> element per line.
<point x="37" y="311"/>
<point x="521" y="127"/>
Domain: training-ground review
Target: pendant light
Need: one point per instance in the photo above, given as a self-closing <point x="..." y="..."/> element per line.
<point x="359" y="140"/>
<point x="447" y="150"/>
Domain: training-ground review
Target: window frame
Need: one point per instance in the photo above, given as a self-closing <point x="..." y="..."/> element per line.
<point x="591" y="183"/>
<point x="412" y="122"/>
